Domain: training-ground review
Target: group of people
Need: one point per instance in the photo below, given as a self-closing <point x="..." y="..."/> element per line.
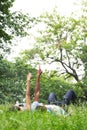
<point x="53" y="106"/>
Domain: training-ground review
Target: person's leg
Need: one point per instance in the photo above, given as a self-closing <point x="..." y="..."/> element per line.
<point x="69" y="97"/>
<point x="28" y="102"/>
<point x="74" y="97"/>
<point x="37" y="87"/>
<point x="52" y="98"/>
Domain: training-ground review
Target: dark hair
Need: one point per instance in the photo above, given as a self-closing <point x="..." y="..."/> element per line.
<point x="14" y="108"/>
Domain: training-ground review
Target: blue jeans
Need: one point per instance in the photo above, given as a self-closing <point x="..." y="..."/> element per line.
<point x="69" y="97"/>
<point x="52" y="99"/>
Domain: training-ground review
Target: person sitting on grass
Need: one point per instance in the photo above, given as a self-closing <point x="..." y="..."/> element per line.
<point x="52" y="108"/>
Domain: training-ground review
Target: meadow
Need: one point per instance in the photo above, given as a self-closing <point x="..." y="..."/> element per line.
<point x="26" y="120"/>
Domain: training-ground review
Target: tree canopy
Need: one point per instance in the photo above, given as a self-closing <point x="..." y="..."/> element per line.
<point x="61" y="42"/>
<point x="12" y="24"/>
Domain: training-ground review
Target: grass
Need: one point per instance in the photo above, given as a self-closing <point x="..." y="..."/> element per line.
<point x="25" y="120"/>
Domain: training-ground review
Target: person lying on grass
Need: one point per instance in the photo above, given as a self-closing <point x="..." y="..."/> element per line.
<point x="52" y="108"/>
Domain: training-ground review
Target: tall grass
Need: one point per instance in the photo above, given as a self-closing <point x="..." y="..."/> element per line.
<point x="25" y="120"/>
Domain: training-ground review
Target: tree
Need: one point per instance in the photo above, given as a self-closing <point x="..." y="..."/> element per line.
<point x="83" y="55"/>
<point x="11" y="24"/>
<point x="61" y="42"/>
<point x="13" y="80"/>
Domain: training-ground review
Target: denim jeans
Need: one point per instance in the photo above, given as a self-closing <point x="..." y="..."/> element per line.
<point x="69" y="97"/>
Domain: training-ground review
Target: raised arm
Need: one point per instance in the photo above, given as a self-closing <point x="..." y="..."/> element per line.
<point x="28" y="101"/>
<point x="37" y="87"/>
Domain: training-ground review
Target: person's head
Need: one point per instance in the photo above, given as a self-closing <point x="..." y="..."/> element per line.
<point x="14" y="108"/>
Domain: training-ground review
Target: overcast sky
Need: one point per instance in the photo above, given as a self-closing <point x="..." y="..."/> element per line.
<point x="35" y="8"/>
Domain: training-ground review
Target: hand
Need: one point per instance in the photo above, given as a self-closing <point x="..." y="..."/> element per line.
<point x="29" y="75"/>
<point x="39" y="71"/>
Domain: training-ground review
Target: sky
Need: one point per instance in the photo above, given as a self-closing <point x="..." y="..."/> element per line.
<point x="35" y="8"/>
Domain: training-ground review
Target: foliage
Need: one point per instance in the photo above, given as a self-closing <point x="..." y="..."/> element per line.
<point x="11" y="24"/>
<point x="83" y="57"/>
<point x="13" y="80"/>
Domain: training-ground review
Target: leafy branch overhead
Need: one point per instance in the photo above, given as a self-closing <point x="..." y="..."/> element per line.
<point x="12" y="24"/>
